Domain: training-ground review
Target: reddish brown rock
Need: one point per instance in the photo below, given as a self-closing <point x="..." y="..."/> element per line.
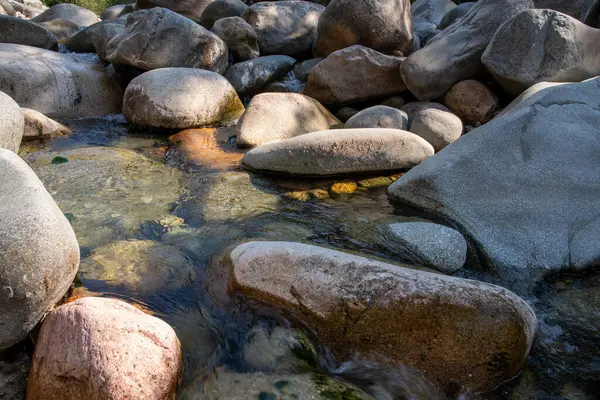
<point x="472" y="101"/>
<point x="208" y="147"/>
<point x="98" y="348"/>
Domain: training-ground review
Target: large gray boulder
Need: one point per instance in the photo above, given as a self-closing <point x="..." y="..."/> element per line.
<point x="58" y="85"/>
<point x="27" y="11"/>
<point x="542" y="46"/>
<point x="452" y="330"/>
<point x="454" y="55"/>
<point x="83" y="41"/>
<point x="248" y="77"/>
<point x="220" y="9"/>
<point x="191" y="9"/>
<point x="340" y="151"/>
<point x="39" y="254"/>
<point x="20" y="31"/>
<point x="355" y="74"/>
<point x="378" y="117"/>
<point x="181" y="98"/>
<point x="284" y="27"/>
<point x="159" y="38"/>
<point x="455" y="14"/>
<point x="239" y="36"/>
<point x="382" y="25"/>
<point x="11" y="123"/>
<point x="525" y="187"/>
<point x="79" y="15"/>
<point x="102" y="35"/>
<point x="277" y="116"/>
<point x="113" y="12"/>
<point x="62" y="29"/>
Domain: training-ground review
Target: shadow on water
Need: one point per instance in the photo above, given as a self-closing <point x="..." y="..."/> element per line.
<point x="154" y="219"/>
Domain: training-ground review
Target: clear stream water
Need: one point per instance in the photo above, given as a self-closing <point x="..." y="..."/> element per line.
<point x="154" y="219"/>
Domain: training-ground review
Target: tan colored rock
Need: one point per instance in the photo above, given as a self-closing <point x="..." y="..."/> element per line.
<point x="37" y="125"/>
<point x="62" y="29"/>
<point x="353" y="74"/>
<point x="379" y="117"/>
<point x="100" y="348"/>
<point x="277" y="116"/>
<point x="472" y="101"/>
<point x="11" y="123"/>
<point x="438" y="127"/>
<point x="461" y="334"/>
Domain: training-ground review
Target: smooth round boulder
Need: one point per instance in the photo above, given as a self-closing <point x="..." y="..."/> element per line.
<point x="248" y="77"/>
<point x="181" y="98"/>
<point x="102" y="348"/>
<point x="21" y="31"/>
<point x="284" y="27"/>
<point x="431" y="10"/>
<point x="39" y="254"/>
<point x="239" y="36"/>
<point x="340" y="151"/>
<point x="277" y="116"/>
<point x="191" y="9"/>
<point x="62" y="29"/>
<point x="382" y="25"/>
<point x="82" y="42"/>
<point x="472" y="102"/>
<point x="113" y="12"/>
<point x="220" y="9"/>
<point x="38" y="126"/>
<point x="438" y="127"/>
<point x="102" y="35"/>
<point x="11" y="123"/>
<point x="379" y="117"/>
<point x="79" y="15"/>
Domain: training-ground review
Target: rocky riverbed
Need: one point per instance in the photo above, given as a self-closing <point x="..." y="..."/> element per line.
<point x="293" y="200"/>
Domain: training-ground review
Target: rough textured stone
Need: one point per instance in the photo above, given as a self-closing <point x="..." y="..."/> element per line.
<point x="220" y="9"/>
<point x="276" y="116"/>
<point x="382" y="25"/>
<point x="58" y="85"/>
<point x="14" y="369"/>
<point x="340" y="151"/>
<point x="435" y="246"/>
<point x="11" y="123"/>
<point x="284" y="27"/>
<point x="354" y="74"/>
<point x="431" y="10"/>
<point x="454" y="55"/>
<point x="181" y="98"/>
<point x="455" y="14"/>
<point x="472" y="101"/>
<point x="248" y="77"/>
<point x="62" y="29"/>
<point x="71" y="12"/>
<point x="160" y="38"/>
<point x="36" y="242"/>
<point x="20" y="31"/>
<point x="544" y="153"/>
<point x="191" y="9"/>
<point x="453" y="330"/>
<point x="379" y="117"/>
<point x="106" y="349"/>
<point x="239" y="36"/>
<point x="38" y="126"/>
<point x="542" y="45"/>
<point x="113" y="12"/>
<point x="438" y="127"/>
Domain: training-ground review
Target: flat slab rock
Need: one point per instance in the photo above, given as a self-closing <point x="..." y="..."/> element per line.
<point x="340" y="151"/>
<point x="461" y="334"/>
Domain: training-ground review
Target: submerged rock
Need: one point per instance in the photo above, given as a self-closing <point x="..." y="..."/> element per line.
<point x="461" y="334"/>
<point x="11" y="123"/>
<point x="277" y="116"/>
<point x="181" y="98"/>
<point x="104" y="348"/>
<point x="340" y="151"/>
<point x="38" y="126"/>
<point x="248" y="77"/>
<point x="20" y="31"/>
<point x="39" y="254"/>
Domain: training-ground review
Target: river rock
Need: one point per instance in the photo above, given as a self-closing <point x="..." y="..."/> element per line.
<point x="340" y="151"/>
<point x="455" y="14"/>
<point x="302" y="69"/>
<point x="248" y="77"/>
<point x="113" y="12"/>
<point x="454" y="55"/>
<point x="434" y="245"/>
<point x="181" y="98"/>
<point x="431" y="10"/>
<point x="535" y="89"/>
<point x="27" y="11"/>
<point x="191" y="9"/>
<point x="104" y="348"/>
<point x="472" y="101"/>
<point x="566" y="50"/>
<point x="78" y="15"/>
<point x="102" y="35"/>
<point x="62" y="29"/>
<point x="239" y="36"/>
<point x="382" y="25"/>
<point x="467" y="184"/>
<point x="39" y="254"/>
<point x="58" y="85"/>
<point x="284" y="27"/>
<point x="414" y="107"/>
<point x="354" y="74"/>
<point x="83" y="41"/>
<point x="7" y="9"/>
<point x="38" y="126"/>
<point x="276" y="116"/>
<point x="450" y="329"/>
<point x="11" y="123"/>
<point x="219" y="9"/>
<point x="379" y="117"/>
<point x="438" y="127"/>
<point x="160" y="38"/>
<point x="20" y="31"/>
